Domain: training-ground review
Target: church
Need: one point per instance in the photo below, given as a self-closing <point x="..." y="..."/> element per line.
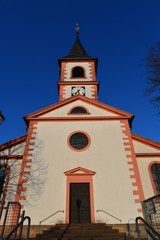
<point x="79" y="159"/>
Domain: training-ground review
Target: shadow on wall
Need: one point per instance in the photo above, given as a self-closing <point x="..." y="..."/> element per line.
<point x="35" y="173"/>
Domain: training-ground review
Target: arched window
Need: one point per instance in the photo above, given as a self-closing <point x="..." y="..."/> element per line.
<point x="78" y="72"/>
<point x="3" y="176"/>
<point x="78" y="110"/>
<point x="155" y="170"/>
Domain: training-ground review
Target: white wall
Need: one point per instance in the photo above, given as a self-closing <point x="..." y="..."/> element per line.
<point x="106" y="156"/>
<point x="144" y="148"/>
<point x="143" y="165"/>
<point x="63" y="111"/>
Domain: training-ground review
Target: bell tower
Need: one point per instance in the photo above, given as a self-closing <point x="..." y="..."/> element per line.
<point x="78" y="73"/>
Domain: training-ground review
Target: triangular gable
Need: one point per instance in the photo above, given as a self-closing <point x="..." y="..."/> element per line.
<point x="48" y="111"/>
<point x="145" y="145"/>
<point x="79" y="171"/>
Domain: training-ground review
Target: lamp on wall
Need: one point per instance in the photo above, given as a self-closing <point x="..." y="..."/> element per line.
<point x="2" y="118"/>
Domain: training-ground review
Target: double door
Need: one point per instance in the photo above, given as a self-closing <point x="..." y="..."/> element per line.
<point x="80" y="203"/>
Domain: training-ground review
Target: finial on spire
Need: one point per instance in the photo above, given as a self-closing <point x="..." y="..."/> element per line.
<point x="77" y="29"/>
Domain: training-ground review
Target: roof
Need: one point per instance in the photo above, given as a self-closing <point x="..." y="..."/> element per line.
<point x="60" y="104"/>
<point x="77" y="52"/>
<point x="13" y="142"/>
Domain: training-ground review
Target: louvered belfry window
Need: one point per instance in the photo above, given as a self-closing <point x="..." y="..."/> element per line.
<point x="3" y="175"/>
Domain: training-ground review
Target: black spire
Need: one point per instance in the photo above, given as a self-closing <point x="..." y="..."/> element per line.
<point x="77" y="51"/>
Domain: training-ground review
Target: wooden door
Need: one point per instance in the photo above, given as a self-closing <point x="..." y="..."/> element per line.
<point x="80" y="203"/>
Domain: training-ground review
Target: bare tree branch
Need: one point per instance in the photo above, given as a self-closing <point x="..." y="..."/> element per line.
<point x="36" y="177"/>
<point x="153" y="74"/>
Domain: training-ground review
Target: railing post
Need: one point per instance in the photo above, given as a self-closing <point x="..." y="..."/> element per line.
<point x="1" y="209"/>
<point x="21" y="229"/>
<point x="149" y="229"/>
<point x="17" y="226"/>
<point x="137" y="229"/>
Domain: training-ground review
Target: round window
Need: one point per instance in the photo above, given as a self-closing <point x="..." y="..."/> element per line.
<point x="78" y="141"/>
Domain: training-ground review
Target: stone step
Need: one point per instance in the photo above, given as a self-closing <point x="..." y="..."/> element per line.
<point x="89" y="227"/>
<point x="45" y="238"/>
<point x="58" y="232"/>
<point x="89" y="231"/>
<point x="57" y="228"/>
<point x="85" y="234"/>
<point x="94" y="238"/>
<point x="93" y="230"/>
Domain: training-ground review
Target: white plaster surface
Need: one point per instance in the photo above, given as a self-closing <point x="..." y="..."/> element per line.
<point x="143" y="165"/>
<point x="106" y="156"/>
<point x="93" y="110"/>
<point x="144" y="148"/>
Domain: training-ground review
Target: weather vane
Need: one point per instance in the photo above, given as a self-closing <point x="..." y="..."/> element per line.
<point x="77" y="28"/>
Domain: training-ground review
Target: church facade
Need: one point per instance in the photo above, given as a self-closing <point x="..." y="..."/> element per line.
<point x="79" y="158"/>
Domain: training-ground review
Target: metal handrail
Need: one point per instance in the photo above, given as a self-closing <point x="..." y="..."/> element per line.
<point x="148" y="227"/>
<point x="110" y="215"/>
<point x="17" y="226"/>
<point x="50" y="216"/>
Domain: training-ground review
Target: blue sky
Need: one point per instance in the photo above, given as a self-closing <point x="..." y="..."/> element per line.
<point x="34" y="33"/>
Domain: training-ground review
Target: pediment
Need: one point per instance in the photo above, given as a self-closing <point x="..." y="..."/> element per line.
<point x="79" y="171"/>
<point x="63" y="108"/>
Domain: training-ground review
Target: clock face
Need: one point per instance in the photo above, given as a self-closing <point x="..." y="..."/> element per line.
<point x="78" y="90"/>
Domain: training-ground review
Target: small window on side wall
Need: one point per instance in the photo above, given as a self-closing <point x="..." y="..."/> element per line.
<point x="3" y="176"/>
<point x="77" y="110"/>
<point x="77" y="72"/>
<point x="155" y="170"/>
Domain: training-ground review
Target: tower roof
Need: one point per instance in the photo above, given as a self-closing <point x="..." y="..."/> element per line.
<point x="77" y="51"/>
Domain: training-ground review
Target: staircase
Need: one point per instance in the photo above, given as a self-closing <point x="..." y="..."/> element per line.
<point x="97" y="231"/>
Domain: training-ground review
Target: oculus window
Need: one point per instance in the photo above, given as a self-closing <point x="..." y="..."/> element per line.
<point x="78" y="141"/>
<point x="3" y="175"/>
<point x="155" y="170"/>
